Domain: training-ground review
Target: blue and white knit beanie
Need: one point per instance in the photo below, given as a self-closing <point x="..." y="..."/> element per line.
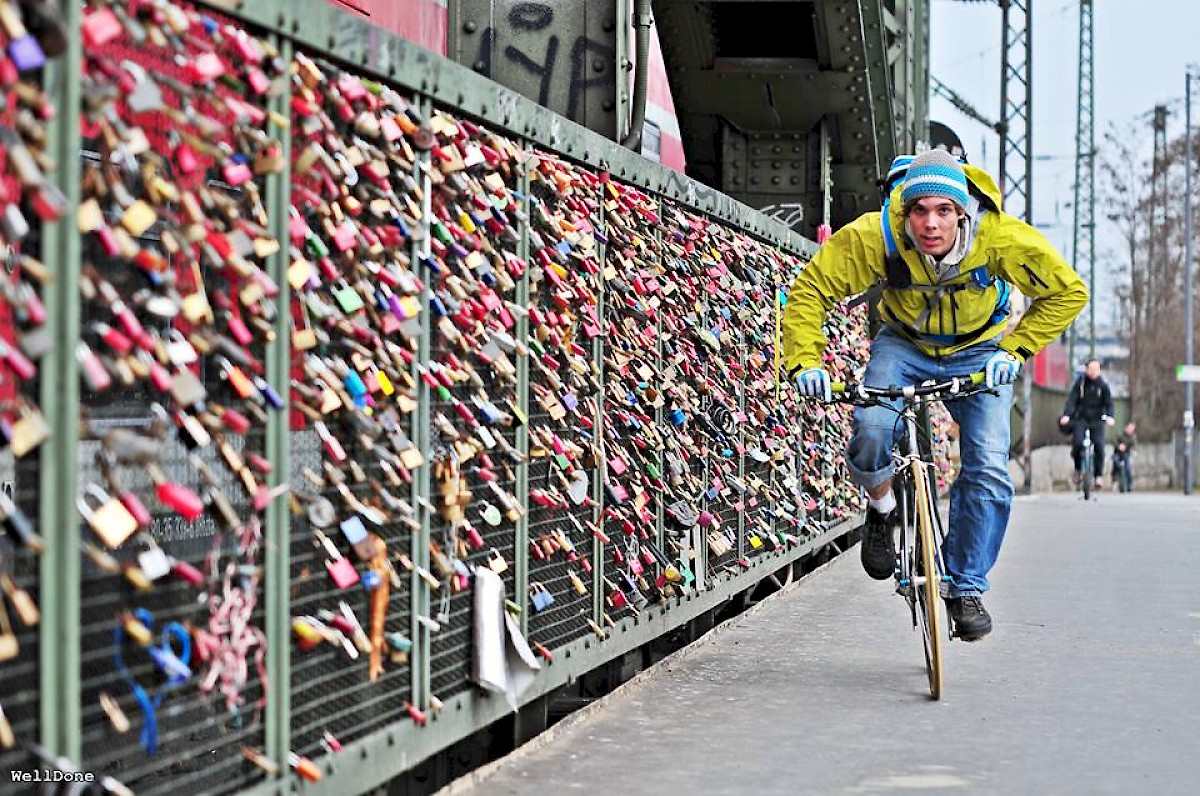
<point x="935" y="173"/>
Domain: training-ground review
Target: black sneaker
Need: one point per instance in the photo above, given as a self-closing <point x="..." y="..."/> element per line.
<point x="971" y="620"/>
<point x="879" y="544"/>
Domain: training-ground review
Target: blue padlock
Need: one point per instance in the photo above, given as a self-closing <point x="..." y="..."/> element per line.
<point x="354" y="384"/>
<point x="371" y="580"/>
<point x="677" y="417"/>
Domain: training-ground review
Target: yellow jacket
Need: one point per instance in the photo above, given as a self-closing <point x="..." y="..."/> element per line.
<point x="853" y="259"/>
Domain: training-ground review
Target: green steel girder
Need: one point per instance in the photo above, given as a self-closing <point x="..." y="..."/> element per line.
<point x="716" y="93"/>
<point x="858" y="65"/>
<point x="881" y="80"/>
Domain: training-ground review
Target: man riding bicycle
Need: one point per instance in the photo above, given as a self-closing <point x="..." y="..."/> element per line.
<point x="1089" y="407"/>
<point x="946" y="257"/>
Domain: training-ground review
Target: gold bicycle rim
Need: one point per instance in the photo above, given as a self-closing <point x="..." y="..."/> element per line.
<point x="933" y="620"/>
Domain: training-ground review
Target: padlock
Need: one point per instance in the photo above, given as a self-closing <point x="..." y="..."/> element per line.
<point x="577" y="582"/>
<point x="540" y="597"/>
<point x="348" y="298"/>
<point x="180" y="498"/>
<point x="18" y="525"/>
<point x="153" y="561"/>
<point x="9" y="647"/>
<point x="109" y="519"/>
<point x="23" y="604"/>
<point x="497" y="562"/>
<point x="616" y="598"/>
<point x="365" y="545"/>
<point x="340" y="568"/>
<point x="441" y="562"/>
<point x="29" y="431"/>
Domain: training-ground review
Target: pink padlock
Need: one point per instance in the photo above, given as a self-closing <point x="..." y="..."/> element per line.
<point x="706" y="519"/>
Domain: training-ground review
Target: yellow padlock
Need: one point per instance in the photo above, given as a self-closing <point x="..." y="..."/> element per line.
<point x="138" y="217"/>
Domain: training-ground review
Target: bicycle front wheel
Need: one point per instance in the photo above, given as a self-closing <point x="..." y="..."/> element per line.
<point x="928" y="594"/>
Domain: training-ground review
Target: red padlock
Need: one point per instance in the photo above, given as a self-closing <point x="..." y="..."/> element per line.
<point x="181" y="499"/>
<point x="138" y="509"/>
<point x="185" y="571"/>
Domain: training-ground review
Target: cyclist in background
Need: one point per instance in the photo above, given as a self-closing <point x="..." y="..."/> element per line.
<point x="945" y="255"/>
<point x="1089" y="406"/>
<point x="1122" y="456"/>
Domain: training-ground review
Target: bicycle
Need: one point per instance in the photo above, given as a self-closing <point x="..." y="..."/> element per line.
<point x="921" y="530"/>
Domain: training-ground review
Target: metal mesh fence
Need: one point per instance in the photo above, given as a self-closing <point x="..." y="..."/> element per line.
<point x="148" y="344"/>
<point x="564" y="419"/>
<point x="649" y="359"/>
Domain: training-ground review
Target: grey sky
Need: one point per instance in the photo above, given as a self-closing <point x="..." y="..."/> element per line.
<point x="1141" y="50"/>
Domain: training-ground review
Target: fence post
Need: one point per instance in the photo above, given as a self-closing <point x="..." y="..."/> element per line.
<point x="60" y="567"/>
<point x="277" y="534"/>
<point x="521" y="540"/>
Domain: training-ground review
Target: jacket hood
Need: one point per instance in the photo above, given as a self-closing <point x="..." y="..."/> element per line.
<point x="985" y="186"/>
<point x="980" y="184"/>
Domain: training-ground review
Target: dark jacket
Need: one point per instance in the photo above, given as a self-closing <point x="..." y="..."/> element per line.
<point x="1089" y="400"/>
<point x="1128" y="440"/>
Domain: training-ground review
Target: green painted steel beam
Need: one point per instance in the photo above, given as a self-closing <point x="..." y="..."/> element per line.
<point x="600" y="472"/>
<point x="521" y="542"/>
<point x="882" y="85"/>
<point x="320" y="27"/>
<point x="60" y="671"/>
<point x="422" y="594"/>
<point x="277" y="558"/>
<point x="714" y="91"/>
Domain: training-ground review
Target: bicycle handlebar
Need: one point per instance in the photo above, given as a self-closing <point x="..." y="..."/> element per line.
<point x="951" y="388"/>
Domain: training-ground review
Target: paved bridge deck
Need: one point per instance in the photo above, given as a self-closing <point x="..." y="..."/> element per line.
<point x="1089" y="684"/>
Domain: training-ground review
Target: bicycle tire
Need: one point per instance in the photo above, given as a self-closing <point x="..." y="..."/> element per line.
<point x="1088" y="476"/>
<point x="928" y="595"/>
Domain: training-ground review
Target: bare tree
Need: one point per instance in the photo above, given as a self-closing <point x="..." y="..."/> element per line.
<point x="1144" y="200"/>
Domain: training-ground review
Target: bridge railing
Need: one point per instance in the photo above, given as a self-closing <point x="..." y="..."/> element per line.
<point x="321" y="336"/>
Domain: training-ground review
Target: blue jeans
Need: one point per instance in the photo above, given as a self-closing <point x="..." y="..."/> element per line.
<point x="981" y="497"/>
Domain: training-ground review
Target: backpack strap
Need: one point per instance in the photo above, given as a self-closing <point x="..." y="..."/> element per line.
<point x="898" y="275"/>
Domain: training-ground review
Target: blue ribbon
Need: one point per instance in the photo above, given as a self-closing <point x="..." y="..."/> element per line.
<point x="173" y="665"/>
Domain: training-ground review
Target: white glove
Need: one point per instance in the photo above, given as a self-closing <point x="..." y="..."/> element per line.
<point x="1001" y="368"/>
<point x="1108" y="420"/>
<point x="1062" y="421"/>
<point x="814" y="383"/>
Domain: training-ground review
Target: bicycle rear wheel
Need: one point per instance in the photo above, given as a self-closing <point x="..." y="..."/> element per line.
<point x="928" y="592"/>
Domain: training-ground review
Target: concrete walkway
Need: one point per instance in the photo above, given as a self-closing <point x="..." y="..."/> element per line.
<point x="1090" y="683"/>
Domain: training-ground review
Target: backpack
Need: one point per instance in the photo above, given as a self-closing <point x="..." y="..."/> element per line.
<point x="898" y="277"/>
